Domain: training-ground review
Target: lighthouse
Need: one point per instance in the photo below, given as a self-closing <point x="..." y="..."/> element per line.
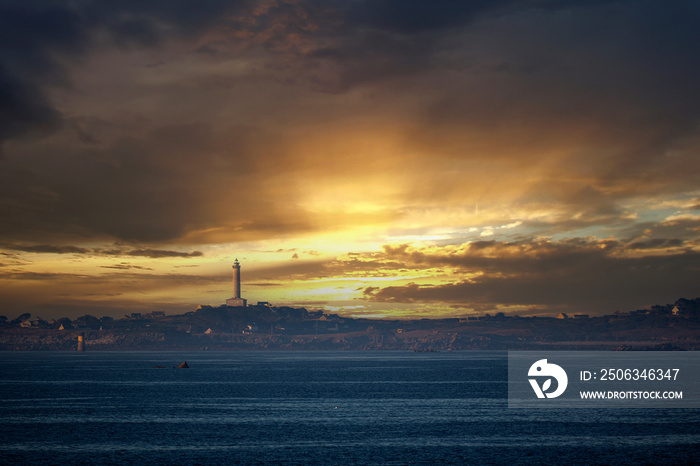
<point x="236" y="301"/>
<point x="237" y="279"/>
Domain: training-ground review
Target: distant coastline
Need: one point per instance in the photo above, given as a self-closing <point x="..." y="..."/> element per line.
<point x="668" y="327"/>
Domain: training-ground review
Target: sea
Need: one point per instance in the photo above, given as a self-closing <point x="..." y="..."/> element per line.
<point x="372" y="407"/>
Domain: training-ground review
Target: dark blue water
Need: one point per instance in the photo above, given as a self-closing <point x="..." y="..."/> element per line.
<point x="308" y="408"/>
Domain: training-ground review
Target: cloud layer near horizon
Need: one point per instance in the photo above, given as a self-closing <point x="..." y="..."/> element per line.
<point x="169" y="130"/>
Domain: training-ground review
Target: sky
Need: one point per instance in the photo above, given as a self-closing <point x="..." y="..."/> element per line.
<point x="385" y="159"/>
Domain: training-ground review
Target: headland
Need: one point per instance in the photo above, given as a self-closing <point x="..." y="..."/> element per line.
<point x="264" y="327"/>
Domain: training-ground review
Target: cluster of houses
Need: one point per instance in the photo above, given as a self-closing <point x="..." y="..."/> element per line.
<point x="82" y="322"/>
<point x="675" y="311"/>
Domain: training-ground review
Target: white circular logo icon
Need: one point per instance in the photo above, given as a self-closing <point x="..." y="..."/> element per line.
<point x="542" y="369"/>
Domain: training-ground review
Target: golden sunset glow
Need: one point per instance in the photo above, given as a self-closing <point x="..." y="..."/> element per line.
<point x="436" y="162"/>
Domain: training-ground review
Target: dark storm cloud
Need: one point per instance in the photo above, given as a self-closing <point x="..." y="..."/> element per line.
<point x="417" y="16"/>
<point x="49" y="249"/>
<point x="575" y="276"/>
<point x="39" y="38"/>
<point x="33" y="37"/>
<point x="590" y="64"/>
<point x="375" y="41"/>
<point x="612" y="84"/>
<point x="23" y="108"/>
<point x="400" y="33"/>
<point x="117" y="251"/>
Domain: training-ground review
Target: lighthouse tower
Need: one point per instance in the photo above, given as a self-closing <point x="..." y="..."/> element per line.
<point x="236" y="279"/>
<point x="236" y="301"/>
